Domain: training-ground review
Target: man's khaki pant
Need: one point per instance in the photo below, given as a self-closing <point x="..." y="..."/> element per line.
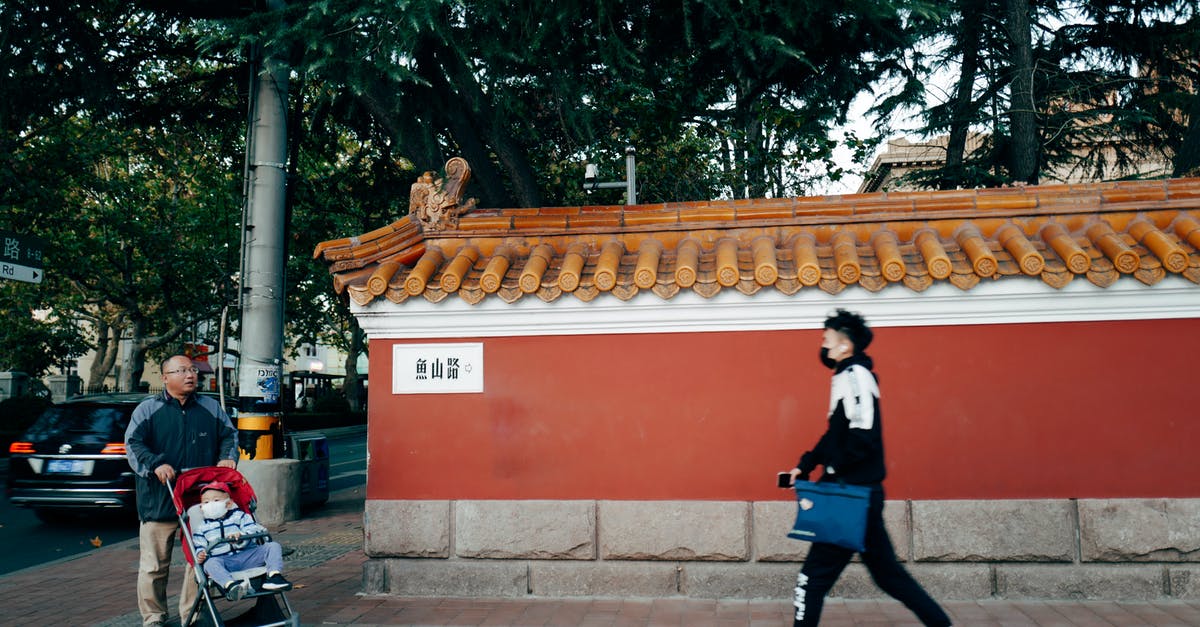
<point x="157" y="540"/>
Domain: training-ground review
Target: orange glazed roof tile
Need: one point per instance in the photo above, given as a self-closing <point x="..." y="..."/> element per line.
<point x="1056" y="233"/>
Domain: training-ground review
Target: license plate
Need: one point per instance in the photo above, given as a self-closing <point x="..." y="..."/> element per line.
<point x="71" y="466"/>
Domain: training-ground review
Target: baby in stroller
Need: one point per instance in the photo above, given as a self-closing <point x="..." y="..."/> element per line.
<point x="220" y="549"/>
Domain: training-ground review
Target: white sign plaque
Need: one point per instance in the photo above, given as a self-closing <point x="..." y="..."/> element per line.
<point x="437" y="368"/>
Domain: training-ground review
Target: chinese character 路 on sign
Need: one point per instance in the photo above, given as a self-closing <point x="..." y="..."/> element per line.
<point x="437" y="368"/>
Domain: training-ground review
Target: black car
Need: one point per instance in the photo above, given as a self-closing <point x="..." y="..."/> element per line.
<point x="73" y="457"/>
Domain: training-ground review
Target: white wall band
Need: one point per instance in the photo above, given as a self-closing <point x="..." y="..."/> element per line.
<point x="1012" y="301"/>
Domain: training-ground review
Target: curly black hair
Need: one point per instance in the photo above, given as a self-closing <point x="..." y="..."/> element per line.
<point x="853" y="326"/>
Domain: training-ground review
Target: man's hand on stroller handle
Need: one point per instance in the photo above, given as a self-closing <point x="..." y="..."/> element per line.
<point x="165" y="473"/>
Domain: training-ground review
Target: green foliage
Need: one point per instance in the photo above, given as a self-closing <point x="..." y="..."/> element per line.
<point x="34" y="342"/>
<point x="1113" y="83"/>
<point x="117" y="148"/>
<point x="528" y="92"/>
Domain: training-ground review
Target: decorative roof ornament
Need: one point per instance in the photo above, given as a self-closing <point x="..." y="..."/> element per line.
<point x="435" y="202"/>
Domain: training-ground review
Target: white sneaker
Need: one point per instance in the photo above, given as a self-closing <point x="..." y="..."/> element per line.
<point x="236" y="590"/>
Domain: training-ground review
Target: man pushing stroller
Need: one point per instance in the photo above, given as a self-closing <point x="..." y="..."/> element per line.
<point x="220" y="549"/>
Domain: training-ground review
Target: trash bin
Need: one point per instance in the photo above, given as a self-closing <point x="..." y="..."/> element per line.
<point x="312" y="451"/>
<point x="257" y="435"/>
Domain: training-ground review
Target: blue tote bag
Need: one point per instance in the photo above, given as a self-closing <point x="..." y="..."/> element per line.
<point x="830" y="512"/>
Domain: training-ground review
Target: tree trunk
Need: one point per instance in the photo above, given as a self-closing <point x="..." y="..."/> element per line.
<point x="756" y="176"/>
<point x="483" y="172"/>
<point x="350" y="386"/>
<point x="960" y="108"/>
<point x="475" y="106"/>
<point x="135" y="362"/>
<point x="1187" y="159"/>
<point x="140" y="346"/>
<point x="446" y="108"/>
<point x="1023" y="158"/>
<point x="108" y="341"/>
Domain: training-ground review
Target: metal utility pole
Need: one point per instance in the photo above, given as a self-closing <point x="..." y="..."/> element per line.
<point x="260" y="369"/>
<point x="629" y="184"/>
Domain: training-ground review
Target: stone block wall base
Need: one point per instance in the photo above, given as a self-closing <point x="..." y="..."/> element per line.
<point x="603" y="579"/>
<point x="1116" y="549"/>
<point x="407" y="528"/>
<point x="1111" y="582"/>
<point x="457" y="578"/>
<point x="1185" y="582"/>
<point x="717" y="580"/>
<point x="738" y="581"/>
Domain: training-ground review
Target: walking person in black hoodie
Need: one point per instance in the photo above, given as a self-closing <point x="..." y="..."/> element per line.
<point x="852" y="451"/>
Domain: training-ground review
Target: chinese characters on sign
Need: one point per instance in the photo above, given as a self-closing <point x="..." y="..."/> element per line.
<point x="20" y="257"/>
<point x="437" y="368"/>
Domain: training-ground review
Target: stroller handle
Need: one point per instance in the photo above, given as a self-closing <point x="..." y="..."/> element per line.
<point x="249" y="536"/>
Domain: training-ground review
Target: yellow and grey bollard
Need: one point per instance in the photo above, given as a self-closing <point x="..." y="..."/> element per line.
<point x="258" y="435"/>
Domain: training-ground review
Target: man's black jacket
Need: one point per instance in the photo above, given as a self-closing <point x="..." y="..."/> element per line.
<point x="185" y="435"/>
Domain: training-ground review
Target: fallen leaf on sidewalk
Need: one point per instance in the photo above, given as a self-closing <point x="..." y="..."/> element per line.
<point x="96" y="542"/>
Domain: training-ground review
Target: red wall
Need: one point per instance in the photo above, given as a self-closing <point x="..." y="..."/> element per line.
<point x="1087" y="410"/>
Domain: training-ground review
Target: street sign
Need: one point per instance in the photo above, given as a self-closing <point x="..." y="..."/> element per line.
<point x="20" y="273"/>
<point x="20" y="257"/>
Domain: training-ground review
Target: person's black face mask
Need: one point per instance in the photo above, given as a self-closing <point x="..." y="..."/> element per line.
<point x="826" y="360"/>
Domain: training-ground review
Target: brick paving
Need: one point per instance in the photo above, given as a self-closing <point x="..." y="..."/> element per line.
<point x="98" y="588"/>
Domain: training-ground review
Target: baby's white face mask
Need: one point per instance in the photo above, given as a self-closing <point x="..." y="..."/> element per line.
<point x="214" y="509"/>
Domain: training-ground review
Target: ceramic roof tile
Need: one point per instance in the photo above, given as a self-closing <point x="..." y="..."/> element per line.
<point x="1099" y="233"/>
<point x="594" y="220"/>
<point x="768" y="212"/>
<point x="540" y="222"/>
<point x="652" y="218"/>
<point x="559" y="211"/>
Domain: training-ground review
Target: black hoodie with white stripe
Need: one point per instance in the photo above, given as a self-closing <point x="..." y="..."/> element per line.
<point x="852" y="448"/>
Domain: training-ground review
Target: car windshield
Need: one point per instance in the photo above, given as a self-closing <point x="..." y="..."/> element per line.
<point x="95" y="420"/>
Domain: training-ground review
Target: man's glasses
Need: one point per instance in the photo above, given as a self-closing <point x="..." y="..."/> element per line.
<point x="193" y="370"/>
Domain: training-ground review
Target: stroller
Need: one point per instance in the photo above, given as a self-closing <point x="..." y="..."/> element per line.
<point x="186" y="495"/>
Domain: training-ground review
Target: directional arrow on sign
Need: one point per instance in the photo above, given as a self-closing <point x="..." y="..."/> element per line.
<point x="14" y="272"/>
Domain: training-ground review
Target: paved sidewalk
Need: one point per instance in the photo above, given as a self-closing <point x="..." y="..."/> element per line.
<point x="98" y="588"/>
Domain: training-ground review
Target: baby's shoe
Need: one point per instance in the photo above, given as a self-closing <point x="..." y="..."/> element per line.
<point x="235" y="590"/>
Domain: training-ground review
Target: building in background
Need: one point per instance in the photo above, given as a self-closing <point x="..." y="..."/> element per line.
<point x="904" y="157"/>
